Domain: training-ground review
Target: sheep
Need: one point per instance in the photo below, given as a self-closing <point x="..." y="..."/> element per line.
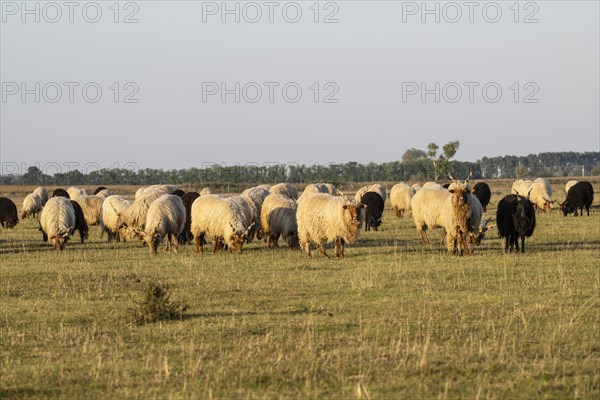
<point x="278" y="218"/>
<point x="111" y="208"/>
<point x="43" y="193"/>
<point x="255" y="197"/>
<point x="92" y="208"/>
<point x="57" y="221"/>
<point x="286" y="189"/>
<point x="206" y="191"/>
<point x="103" y="194"/>
<point x="325" y="218"/>
<point x="75" y="192"/>
<point x="570" y="184"/>
<point x="432" y="185"/>
<point x="377" y="188"/>
<point x="580" y="196"/>
<point x="222" y="220"/>
<point x="428" y="210"/>
<point x="515" y="218"/>
<point x="461" y="223"/>
<point x="188" y="199"/>
<point x="373" y="210"/>
<point x="8" y="213"/>
<point x="166" y="218"/>
<point x="521" y="186"/>
<point x="541" y="195"/>
<point x="483" y="193"/>
<point x="400" y="197"/>
<point x="32" y="205"/>
<point x="134" y="217"/>
<point x="249" y="215"/>
<point x="60" y="193"/>
<point x="80" y="224"/>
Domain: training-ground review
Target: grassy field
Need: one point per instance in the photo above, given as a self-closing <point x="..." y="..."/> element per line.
<point x="394" y="319"/>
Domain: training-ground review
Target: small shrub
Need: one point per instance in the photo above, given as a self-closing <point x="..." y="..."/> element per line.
<point x="157" y="306"/>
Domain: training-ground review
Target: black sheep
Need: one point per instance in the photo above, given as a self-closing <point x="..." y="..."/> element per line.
<point x="515" y="219"/>
<point x="373" y="211"/>
<point x="186" y="235"/>
<point x="80" y="224"/>
<point x="8" y="213"/>
<point x="581" y="195"/>
<point x="482" y="191"/>
<point x="60" y="192"/>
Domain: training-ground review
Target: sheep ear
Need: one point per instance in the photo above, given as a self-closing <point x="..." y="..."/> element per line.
<point x="451" y="190"/>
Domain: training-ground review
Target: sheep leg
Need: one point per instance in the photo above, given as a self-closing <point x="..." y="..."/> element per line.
<point x="198" y="241"/>
<point x="342" y="246"/>
<point x="424" y="237"/>
<point x="175" y="244"/>
<point x="322" y="249"/>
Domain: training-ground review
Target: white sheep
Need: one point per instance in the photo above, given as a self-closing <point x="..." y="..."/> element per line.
<point x="165" y="219"/>
<point x="32" y="205"/>
<point x="255" y="197"/>
<point x="92" y="208"/>
<point x="428" y="210"/>
<point x="460" y="224"/>
<point x="75" y="192"/>
<point x="570" y="184"/>
<point x="57" y="221"/>
<point x="134" y="216"/>
<point x="539" y="192"/>
<point x="432" y="185"/>
<point x="325" y="218"/>
<point x="111" y="208"/>
<point x="278" y="218"/>
<point x="287" y="189"/>
<point x="521" y="187"/>
<point x="219" y="219"/>
<point x="206" y="191"/>
<point x="43" y="193"/>
<point x="376" y="188"/>
<point x="400" y="197"/>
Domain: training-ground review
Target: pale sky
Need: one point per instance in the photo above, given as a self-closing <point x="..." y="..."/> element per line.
<point x="376" y="60"/>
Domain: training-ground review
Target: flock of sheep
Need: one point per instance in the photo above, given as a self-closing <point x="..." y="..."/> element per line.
<point x="320" y="214"/>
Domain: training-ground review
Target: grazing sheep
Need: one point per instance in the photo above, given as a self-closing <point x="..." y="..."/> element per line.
<point x="80" y="224"/>
<point x="206" y="191"/>
<point x="188" y="199"/>
<point x="133" y="218"/>
<point x="325" y="218"/>
<point x="103" y="194"/>
<point x="428" y="210"/>
<point x="483" y="193"/>
<point x="475" y="227"/>
<point x="57" y="221"/>
<point x="244" y="205"/>
<point x="255" y="197"/>
<point x="432" y="185"/>
<point x="32" y="205"/>
<point x="8" y="213"/>
<point x="43" y="193"/>
<point x="92" y="208"/>
<point x="373" y="210"/>
<point x="99" y="189"/>
<point x="515" y="218"/>
<point x="400" y="197"/>
<point x="222" y="220"/>
<point x="286" y="189"/>
<point x="569" y="185"/>
<point x="111" y="208"/>
<point x="541" y="195"/>
<point x="60" y="193"/>
<point x="75" y="192"/>
<point x="580" y="195"/>
<point x="278" y="218"/>
<point x="376" y="188"/>
<point x="165" y="219"/>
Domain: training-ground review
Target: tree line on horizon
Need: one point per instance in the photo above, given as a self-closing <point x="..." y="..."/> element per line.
<point x="415" y="166"/>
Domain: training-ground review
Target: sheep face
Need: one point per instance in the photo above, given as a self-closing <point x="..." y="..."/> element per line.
<point x="292" y="240"/>
<point x="548" y="205"/>
<point x="59" y="241"/>
<point x="353" y="212"/>
<point x="567" y="208"/>
<point x="236" y="242"/>
<point x="154" y="240"/>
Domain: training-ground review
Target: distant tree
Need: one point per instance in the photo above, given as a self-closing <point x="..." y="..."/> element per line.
<point x="440" y="162"/>
<point x="413" y="155"/>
